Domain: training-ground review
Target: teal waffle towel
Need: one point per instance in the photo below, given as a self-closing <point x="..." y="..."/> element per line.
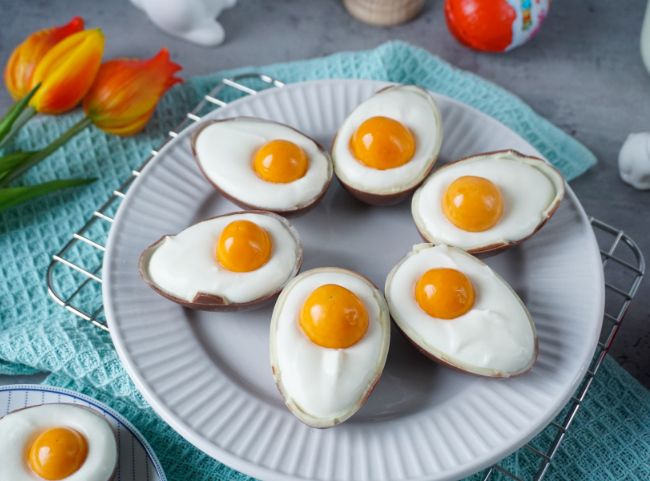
<point x="610" y="438"/>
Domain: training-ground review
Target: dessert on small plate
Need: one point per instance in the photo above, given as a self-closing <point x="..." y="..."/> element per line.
<point x="56" y="442"/>
<point x="50" y="433"/>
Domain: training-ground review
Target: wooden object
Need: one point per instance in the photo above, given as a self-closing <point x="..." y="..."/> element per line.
<point x="384" y="12"/>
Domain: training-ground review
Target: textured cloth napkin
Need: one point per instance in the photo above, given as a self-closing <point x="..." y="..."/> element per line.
<point x="610" y="438"/>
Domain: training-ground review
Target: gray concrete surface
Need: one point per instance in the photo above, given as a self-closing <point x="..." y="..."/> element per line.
<point x="583" y="72"/>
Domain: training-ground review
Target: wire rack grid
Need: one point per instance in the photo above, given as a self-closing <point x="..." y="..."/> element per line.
<point x="80" y="263"/>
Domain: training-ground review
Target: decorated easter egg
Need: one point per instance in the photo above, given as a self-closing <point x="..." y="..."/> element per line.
<point x="495" y="25"/>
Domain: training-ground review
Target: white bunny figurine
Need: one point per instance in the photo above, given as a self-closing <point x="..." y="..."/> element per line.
<point x="634" y="160"/>
<point x="191" y="20"/>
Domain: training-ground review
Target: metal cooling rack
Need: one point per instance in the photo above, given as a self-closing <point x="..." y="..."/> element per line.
<point x="79" y="262"/>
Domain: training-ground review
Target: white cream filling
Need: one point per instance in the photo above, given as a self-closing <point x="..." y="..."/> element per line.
<point x="327" y="383"/>
<point x="495" y="337"/>
<point x="225" y="151"/>
<point x="185" y="265"/>
<point x="528" y="194"/>
<point x="19" y="429"/>
<point x="414" y="109"/>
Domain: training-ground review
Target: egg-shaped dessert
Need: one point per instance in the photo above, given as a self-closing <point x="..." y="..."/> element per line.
<point x="228" y="262"/>
<point x="458" y="311"/>
<point x="329" y="340"/>
<point x="487" y="202"/>
<point x="260" y="164"/>
<point x="56" y="442"/>
<point x="388" y="144"/>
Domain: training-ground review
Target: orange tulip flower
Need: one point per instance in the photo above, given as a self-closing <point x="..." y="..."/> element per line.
<point x="126" y="91"/>
<point x="24" y="59"/>
<point x="67" y="71"/>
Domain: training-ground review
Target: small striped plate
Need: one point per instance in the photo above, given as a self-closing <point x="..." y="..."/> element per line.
<point x="136" y="462"/>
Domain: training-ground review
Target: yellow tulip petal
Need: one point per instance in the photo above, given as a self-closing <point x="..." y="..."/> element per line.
<point x="26" y="56"/>
<point x="67" y="72"/>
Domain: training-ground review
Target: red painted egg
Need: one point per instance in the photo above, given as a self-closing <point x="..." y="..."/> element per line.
<point x="495" y="25"/>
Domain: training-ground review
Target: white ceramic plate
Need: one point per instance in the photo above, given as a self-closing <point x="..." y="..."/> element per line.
<point x="136" y="459"/>
<point x="208" y="374"/>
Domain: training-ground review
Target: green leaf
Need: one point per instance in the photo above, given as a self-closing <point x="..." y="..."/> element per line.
<point x="12" y="196"/>
<point x="14" y="112"/>
<point x="39" y="155"/>
<point x="9" y="162"/>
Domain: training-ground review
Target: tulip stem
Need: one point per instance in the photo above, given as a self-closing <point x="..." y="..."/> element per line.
<point x="13" y="196"/>
<point x="39" y="155"/>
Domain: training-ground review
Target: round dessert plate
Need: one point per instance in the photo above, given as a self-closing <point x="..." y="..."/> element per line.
<point x="208" y="374"/>
<point x="136" y="460"/>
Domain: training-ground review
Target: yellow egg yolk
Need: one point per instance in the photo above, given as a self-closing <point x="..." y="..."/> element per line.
<point x="334" y="317"/>
<point x="444" y="293"/>
<point x="57" y="453"/>
<point x="280" y="161"/>
<point x="473" y="203"/>
<point x="243" y="246"/>
<point x="382" y="143"/>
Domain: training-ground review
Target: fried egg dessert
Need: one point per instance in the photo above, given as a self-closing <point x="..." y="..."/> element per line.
<point x="388" y="144"/>
<point x="56" y="442"/>
<point x="329" y="338"/>
<point x="487" y="202"/>
<point x="263" y="165"/>
<point x="228" y="262"/>
<point x="460" y="312"/>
